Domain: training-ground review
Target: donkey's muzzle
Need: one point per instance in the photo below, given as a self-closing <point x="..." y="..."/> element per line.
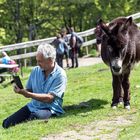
<point x="116" y="68"/>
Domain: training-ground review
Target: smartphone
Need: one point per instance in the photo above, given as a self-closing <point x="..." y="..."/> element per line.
<point x="17" y="81"/>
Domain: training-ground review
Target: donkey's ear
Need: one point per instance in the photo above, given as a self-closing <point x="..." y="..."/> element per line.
<point x="104" y="27"/>
<point x="128" y="23"/>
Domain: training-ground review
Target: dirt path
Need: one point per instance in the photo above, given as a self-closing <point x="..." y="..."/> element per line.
<point x="101" y="130"/>
<point x="86" y="61"/>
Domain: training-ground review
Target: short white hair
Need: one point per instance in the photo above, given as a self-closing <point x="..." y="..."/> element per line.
<point x="47" y="50"/>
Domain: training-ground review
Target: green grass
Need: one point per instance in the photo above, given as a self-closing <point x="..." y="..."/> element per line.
<point x="87" y="99"/>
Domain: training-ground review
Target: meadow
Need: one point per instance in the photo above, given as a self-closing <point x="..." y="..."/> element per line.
<point x="87" y="100"/>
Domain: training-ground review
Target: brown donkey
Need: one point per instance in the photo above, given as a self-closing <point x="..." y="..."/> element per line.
<point x="120" y="50"/>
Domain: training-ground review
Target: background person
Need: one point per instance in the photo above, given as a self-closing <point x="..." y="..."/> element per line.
<point x="60" y="46"/>
<point x="57" y="43"/>
<point x="8" y="61"/>
<point x="74" y="48"/>
<point x="46" y="86"/>
<point x="66" y="50"/>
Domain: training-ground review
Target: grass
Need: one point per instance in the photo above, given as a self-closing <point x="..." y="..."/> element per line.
<point x="87" y="99"/>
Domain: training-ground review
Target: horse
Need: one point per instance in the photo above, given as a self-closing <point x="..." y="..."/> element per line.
<point x="120" y="50"/>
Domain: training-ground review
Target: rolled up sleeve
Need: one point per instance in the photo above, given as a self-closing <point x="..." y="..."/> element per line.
<point x="58" y="86"/>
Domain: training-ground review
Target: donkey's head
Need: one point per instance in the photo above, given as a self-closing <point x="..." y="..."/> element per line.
<point x="116" y="40"/>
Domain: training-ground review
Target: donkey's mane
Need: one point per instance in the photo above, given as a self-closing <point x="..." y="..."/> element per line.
<point x="119" y="21"/>
<point x="116" y="24"/>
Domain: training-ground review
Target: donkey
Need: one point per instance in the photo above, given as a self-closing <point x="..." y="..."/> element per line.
<point x="120" y="50"/>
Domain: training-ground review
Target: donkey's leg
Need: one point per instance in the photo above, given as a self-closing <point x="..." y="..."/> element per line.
<point x="121" y="95"/>
<point x="117" y="89"/>
<point x="126" y="88"/>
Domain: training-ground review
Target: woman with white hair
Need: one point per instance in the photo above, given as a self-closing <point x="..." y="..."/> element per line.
<point x="46" y="86"/>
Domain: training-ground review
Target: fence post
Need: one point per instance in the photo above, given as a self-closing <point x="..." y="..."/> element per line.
<point x="25" y="60"/>
<point x="86" y="46"/>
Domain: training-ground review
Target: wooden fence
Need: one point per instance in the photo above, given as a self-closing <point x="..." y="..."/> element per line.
<point x="30" y="44"/>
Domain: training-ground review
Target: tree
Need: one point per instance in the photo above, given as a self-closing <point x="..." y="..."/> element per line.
<point x="23" y="20"/>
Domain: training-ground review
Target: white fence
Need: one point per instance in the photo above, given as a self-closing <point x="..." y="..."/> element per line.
<point x="31" y="44"/>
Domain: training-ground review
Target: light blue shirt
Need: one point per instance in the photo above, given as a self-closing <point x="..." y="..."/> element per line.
<point x="55" y="84"/>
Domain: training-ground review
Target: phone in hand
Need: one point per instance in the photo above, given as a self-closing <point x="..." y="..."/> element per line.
<point x="17" y="81"/>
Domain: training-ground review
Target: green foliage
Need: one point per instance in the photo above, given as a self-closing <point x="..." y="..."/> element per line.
<point x="23" y="20"/>
<point x="87" y="99"/>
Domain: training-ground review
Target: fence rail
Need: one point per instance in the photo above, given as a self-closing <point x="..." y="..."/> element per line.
<point x="34" y="43"/>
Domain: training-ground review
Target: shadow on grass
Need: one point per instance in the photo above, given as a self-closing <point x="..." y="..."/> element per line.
<point x="101" y="70"/>
<point x="84" y="107"/>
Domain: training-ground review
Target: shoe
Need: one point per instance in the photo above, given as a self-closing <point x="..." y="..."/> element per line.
<point x="71" y="67"/>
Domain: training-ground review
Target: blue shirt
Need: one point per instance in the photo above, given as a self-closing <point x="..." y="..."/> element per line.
<point x="55" y="84"/>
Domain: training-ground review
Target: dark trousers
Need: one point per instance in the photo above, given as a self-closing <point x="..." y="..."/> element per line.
<point x="74" y="59"/>
<point x="21" y="115"/>
<point x="59" y="59"/>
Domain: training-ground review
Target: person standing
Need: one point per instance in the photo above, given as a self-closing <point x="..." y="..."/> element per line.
<point x="74" y="48"/>
<point x="66" y="50"/>
<point x="45" y="86"/>
<point x="60" y="46"/>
